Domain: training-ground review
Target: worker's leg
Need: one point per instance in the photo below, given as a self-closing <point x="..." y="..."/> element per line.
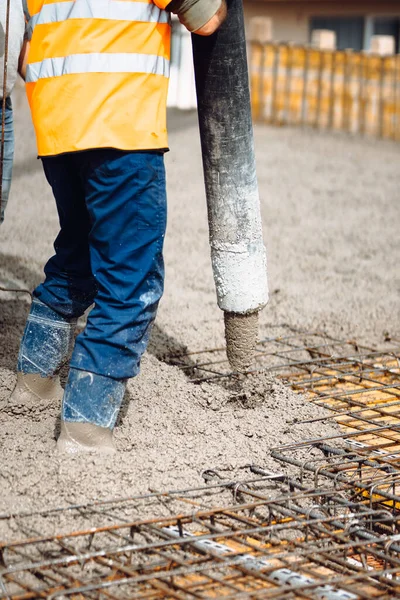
<point x="68" y="290"/>
<point x="126" y="199"/>
<point x="8" y="155"/>
<point x="70" y="287"/>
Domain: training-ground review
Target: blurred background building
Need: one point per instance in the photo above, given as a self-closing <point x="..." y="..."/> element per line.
<point x="353" y="21"/>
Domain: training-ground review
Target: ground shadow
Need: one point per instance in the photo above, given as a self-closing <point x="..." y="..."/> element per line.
<point x="13" y="314"/>
<point x="163" y="346"/>
<point x="15" y="269"/>
<point x="14" y="308"/>
<point x="170" y="351"/>
<point x="128" y="398"/>
<point x="166" y="349"/>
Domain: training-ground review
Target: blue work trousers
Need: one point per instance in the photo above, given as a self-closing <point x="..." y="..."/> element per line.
<point x="8" y="154"/>
<point x="112" y="211"/>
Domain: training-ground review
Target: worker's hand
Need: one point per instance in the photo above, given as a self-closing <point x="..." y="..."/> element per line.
<point x="202" y="17"/>
<point x="212" y="25"/>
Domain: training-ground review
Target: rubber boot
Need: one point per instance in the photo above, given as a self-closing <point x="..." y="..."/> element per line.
<point x="33" y="394"/>
<point x="45" y="347"/>
<point x="77" y="438"/>
<point x="90" y="409"/>
<point x="47" y="341"/>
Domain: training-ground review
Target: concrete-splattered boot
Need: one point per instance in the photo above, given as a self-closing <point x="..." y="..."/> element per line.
<point x="90" y="409"/>
<point x="33" y="394"/>
<point x="45" y="347"/>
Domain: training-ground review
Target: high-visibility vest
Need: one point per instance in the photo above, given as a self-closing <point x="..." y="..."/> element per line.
<point x="97" y="74"/>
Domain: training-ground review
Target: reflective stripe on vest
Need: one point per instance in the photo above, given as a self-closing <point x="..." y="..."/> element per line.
<point x="120" y="10"/>
<point x="97" y="63"/>
<point x="97" y="74"/>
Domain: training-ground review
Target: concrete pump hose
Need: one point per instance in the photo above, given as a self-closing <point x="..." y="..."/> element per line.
<point x="237" y="250"/>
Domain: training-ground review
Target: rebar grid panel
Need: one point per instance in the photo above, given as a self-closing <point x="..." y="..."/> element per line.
<point x="359" y="385"/>
<point x="266" y="537"/>
<point x="330" y="530"/>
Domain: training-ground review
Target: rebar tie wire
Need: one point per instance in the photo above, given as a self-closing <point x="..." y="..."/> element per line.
<point x="3" y="127"/>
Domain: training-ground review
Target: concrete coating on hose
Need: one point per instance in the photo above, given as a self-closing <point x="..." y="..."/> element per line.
<point x="241" y="333"/>
<point x="240" y="276"/>
<point x="330" y="214"/>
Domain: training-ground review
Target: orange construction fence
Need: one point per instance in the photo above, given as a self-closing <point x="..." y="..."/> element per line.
<point x="341" y="90"/>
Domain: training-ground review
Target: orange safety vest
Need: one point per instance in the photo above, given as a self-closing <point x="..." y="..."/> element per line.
<point x="97" y="74"/>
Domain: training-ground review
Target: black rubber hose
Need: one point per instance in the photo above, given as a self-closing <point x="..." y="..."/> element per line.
<point x="226" y="131"/>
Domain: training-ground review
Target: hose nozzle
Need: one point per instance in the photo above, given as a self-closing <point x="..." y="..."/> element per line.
<point x="241" y="335"/>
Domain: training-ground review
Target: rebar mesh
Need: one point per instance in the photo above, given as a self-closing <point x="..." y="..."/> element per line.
<point x="359" y="385"/>
<point x="324" y="525"/>
<point x="268" y="537"/>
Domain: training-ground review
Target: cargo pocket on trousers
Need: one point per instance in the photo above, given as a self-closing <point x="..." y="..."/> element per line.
<point x="152" y="202"/>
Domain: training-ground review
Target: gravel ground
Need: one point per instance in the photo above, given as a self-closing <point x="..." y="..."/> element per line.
<point x="331" y="217"/>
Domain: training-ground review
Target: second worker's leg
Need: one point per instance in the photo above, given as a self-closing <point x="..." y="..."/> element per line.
<point x="126" y="199"/>
<point x="8" y="156"/>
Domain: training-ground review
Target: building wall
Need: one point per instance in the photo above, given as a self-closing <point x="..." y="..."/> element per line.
<point x="291" y="19"/>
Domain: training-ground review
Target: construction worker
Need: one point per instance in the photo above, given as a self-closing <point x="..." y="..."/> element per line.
<point x="97" y="83"/>
<point x="16" y="52"/>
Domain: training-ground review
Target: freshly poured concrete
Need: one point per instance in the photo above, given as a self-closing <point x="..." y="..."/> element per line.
<point x="331" y="216"/>
<point x="241" y="334"/>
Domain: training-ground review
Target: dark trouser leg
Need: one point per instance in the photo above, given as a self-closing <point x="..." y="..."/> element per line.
<point x="126" y="200"/>
<point x="69" y="287"/>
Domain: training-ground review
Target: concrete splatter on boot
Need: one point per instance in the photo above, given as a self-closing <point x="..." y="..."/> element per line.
<point x="47" y="341"/>
<point x="33" y="394"/>
<point x="77" y="438"/>
<point x="90" y="409"/>
<point x="45" y="347"/>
